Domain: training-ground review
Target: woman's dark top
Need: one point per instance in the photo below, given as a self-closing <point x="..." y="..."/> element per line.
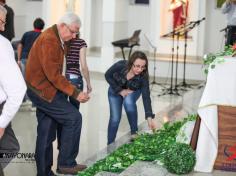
<point x="116" y="77"/>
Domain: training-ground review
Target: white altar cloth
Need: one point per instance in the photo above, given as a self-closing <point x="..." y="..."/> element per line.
<point x="220" y="89"/>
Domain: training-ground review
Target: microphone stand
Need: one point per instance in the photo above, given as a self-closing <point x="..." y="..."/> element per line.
<point x="184" y="84"/>
<point x="176" y="63"/>
<point x="226" y="33"/>
<point x="187" y="28"/>
<point x="190" y="26"/>
<point x="154" y="67"/>
<point x="170" y="91"/>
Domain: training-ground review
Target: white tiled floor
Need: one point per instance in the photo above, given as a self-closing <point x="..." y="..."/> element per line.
<point x="95" y="120"/>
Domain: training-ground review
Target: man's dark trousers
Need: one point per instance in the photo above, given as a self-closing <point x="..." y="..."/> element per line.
<point x="49" y="114"/>
<point x="8" y="144"/>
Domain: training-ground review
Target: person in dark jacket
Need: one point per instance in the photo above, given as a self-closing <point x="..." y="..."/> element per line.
<point x="9" y="32"/>
<point x="128" y="80"/>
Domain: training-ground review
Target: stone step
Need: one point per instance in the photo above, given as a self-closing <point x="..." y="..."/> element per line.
<point x="142" y="168"/>
<point x="106" y="174"/>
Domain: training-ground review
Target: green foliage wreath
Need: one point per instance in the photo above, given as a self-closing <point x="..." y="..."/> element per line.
<point x="180" y="159"/>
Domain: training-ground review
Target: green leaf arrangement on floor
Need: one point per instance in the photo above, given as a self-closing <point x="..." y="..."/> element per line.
<point x="160" y="146"/>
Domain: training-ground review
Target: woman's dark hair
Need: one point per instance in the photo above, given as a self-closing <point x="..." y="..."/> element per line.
<point x="139" y="55"/>
<point x="39" y="23"/>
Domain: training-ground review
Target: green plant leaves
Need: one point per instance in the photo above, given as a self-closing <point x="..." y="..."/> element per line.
<point x="211" y="60"/>
<point x="180" y="159"/>
<point x="147" y="147"/>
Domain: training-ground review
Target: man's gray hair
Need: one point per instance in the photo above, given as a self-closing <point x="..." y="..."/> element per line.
<point x="3" y="10"/>
<point x="70" y="18"/>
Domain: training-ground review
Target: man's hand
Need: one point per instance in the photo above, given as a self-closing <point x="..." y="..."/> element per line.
<point x="83" y="97"/>
<point x="2" y="130"/>
<point x="125" y="92"/>
<point x="151" y="123"/>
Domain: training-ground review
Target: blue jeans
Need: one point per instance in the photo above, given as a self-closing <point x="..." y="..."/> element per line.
<point x="49" y="115"/>
<point x="78" y="82"/>
<point x="115" y="103"/>
<point x="23" y="64"/>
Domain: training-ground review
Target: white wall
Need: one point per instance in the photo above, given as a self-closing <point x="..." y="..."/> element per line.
<point x="96" y="24"/>
<point x="121" y="19"/>
<point x="25" y="13"/>
<point x="148" y="18"/>
<point x="140" y="18"/>
<point x="33" y="10"/>
<point x="215" y="21"/>
<point x="155" y="20"/>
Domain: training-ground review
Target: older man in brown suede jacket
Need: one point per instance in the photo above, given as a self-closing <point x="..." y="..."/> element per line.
<point x="47" y="89"/>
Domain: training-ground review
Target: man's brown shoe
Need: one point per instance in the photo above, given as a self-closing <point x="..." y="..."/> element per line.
<point x="71" y="170"/>
<point x="81" y="167"/>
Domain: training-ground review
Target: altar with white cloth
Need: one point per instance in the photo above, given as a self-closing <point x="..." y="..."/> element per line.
<point x="220" y="90"/>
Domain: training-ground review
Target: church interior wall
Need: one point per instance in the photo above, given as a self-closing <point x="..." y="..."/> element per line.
<point x="119" y="22"/>
<point x="96" y="24"/>
<point x="214" y="41"/>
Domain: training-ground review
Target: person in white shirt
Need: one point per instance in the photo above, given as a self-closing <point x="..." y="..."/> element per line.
<point x="12" y="91"/>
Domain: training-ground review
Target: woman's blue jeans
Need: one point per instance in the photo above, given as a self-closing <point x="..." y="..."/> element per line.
<point x="78" y="82"/>
<point x="115" y="102"/>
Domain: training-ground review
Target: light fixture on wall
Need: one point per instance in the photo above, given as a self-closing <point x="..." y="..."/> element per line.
<point x="70" y="5"/>
<point x="139" y="2"/>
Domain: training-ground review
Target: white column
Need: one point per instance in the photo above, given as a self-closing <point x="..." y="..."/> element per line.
<point x="53" y="10"/>
<point x="155" y="29"/>
<point x="201" y="28"/>
<point x="84" y="10"/>
<point x="108" y="30"/>
<point x="46" y="12"/>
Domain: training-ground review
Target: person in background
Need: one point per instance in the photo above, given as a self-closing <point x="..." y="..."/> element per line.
<point x="27" y="41"/>
<point x="12" y="91"/>
<point x="76" y="59"/>
<point x="48" y="89"/>
<point x="9" y="31"/>
<point x="229" y="8"/>
<point x="127" y="81"/>
<point x="24" y="47"/>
